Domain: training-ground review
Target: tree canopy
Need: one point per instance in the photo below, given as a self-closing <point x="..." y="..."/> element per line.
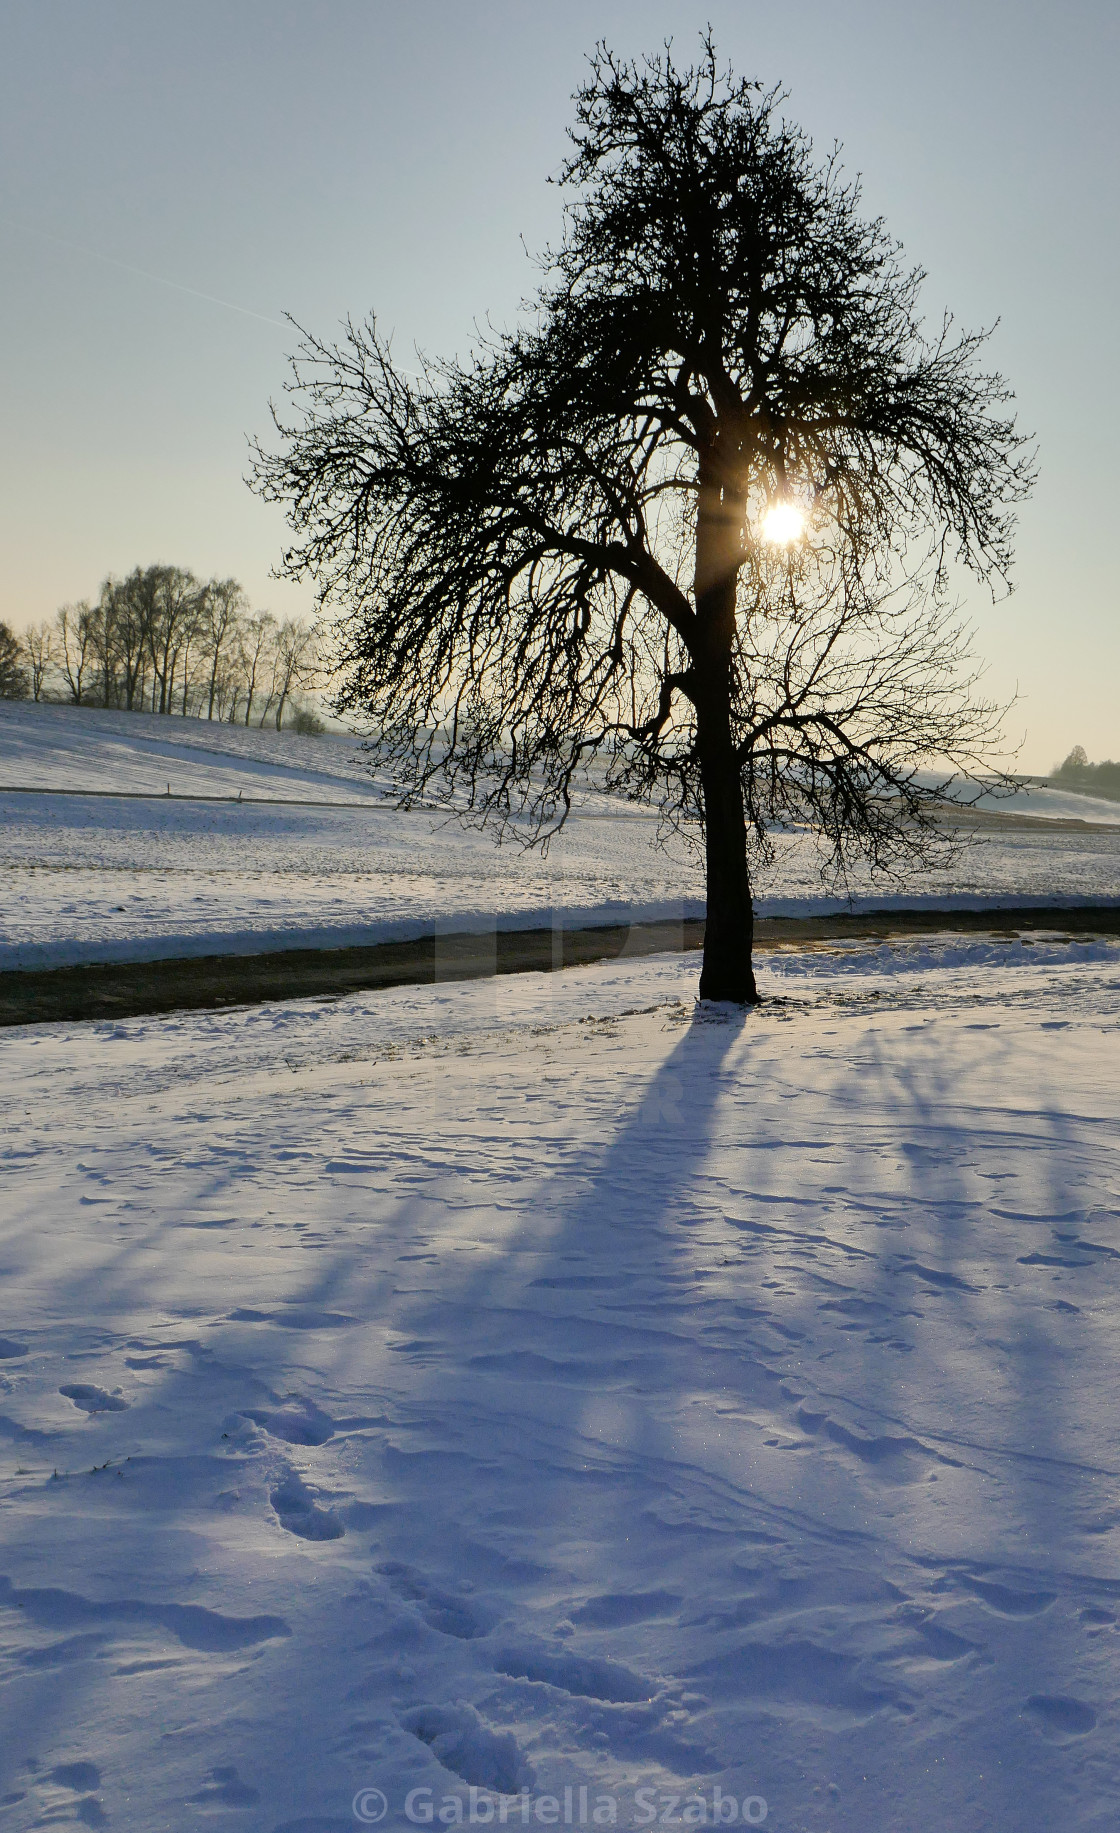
<point x="559" y="548"/>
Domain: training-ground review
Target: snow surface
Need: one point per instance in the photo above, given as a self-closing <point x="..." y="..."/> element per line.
<point x="93" y="878"/>
<point x="539" y="1383"/>
<point x="64" y="747"/>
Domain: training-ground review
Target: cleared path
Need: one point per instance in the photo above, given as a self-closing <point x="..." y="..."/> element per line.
<point x="130" y="989"/>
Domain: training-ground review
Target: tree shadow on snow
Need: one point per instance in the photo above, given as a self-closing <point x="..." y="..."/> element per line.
<point x="637" y="1421"/>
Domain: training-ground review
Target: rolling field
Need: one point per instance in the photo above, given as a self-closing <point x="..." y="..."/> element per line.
<point x="315" y="861"/>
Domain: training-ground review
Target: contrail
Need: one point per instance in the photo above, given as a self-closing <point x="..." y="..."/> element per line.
<point x="126" y="267"/>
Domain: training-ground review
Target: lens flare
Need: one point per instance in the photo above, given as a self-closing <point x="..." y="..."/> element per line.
<point x="782" y="524"/>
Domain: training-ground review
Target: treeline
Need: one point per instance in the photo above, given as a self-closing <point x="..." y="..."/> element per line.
<point x="162" y="641"/>
<point x="1095" y="779"/>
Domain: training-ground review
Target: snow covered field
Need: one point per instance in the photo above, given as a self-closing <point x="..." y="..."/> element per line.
<point x="88" y="878"/>
<point x="533" y="1385"/>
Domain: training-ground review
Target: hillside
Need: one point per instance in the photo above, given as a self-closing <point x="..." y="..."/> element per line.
<point x="311" y="857"/>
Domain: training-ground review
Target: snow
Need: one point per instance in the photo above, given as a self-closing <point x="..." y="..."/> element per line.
<point x="539" y="1384"/>
<point x="1042" y="801"/>
<point x="82" y="748"/>
<point x="96" y="878"/>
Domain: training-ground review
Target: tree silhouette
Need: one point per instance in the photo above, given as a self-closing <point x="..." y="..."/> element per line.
<point x="14" y="680"/>
<point x="559" y="549"/>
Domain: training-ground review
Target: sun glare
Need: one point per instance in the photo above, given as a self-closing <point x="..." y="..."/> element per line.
<point x="783" y="524"/>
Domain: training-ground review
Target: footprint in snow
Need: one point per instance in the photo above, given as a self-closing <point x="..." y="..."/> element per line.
<point x="937" y="1643"/>
<point x="195" y="1627"/>
<point x="292" y="1317"/>
<point x="1060" y="1717"/>
<point x="798" y="1674"/>
<point x="1006" y="1602"/>
<point x="296" y="1421"/>
<point x="441" y="1611"/>
<point x="585" y="1676"/>
<point x="80" y="1777"/>
<point x="223" y="1787"/>
<point x="300" y="1514"/>
<point x="305" y="1317"/>
<point x="60" y="1654"/>
<point x="1094" y="1617"/>
<point x="9" y="1349"/>
<point x="895" y="1458"/>
<point x="469" y="1748"/>
<point x="93" y="1399"/>
<point x="617" y="1610"/>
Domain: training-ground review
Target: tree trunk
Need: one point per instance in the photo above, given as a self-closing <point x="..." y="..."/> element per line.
<point x="727" y="972"/>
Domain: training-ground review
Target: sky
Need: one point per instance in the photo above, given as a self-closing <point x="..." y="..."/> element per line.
<point x="174" y="178"/>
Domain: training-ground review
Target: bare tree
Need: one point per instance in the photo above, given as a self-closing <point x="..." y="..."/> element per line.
<point x="130" y="605"/>
<point x="13" y="674"/>
<point x="174" y="600"/>
<point x="193" y="627"/>
<point x="76" y="648"/>
<point x="559" y="548"/>
<point x="160" y="638"/>
<point x="224" y="606"/>
<point x="38" y="646"/>
<point x="227" y="686"/>
<point x="258" y="637"/>
<point x="105" y="685"/>
<point x="293" y="663"/>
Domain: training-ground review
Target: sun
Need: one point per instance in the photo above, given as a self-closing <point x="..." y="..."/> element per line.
<point x="782" y="524"/>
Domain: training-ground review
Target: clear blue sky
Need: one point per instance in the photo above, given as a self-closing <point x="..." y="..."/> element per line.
<point x="329" y="156"/>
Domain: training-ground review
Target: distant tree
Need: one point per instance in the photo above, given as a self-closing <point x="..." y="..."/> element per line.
<point x="257" y="646"/>
<point x="38" y="648"/>
<point x="76" y="649"/>
<point x="293" y="660"/>
<point x="224" y="605"/>
<point x="695" y="517"/>
<point x="14" y="678"/>
<point x="130" y="608"/>
<point x="102" y="680"/>
<point x="1076" y="772"/>
<point x="174" y="610"/>
<point x="193" y="629"/>
<point x="1078" y="759"/>
<point x="161" y="639"/>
